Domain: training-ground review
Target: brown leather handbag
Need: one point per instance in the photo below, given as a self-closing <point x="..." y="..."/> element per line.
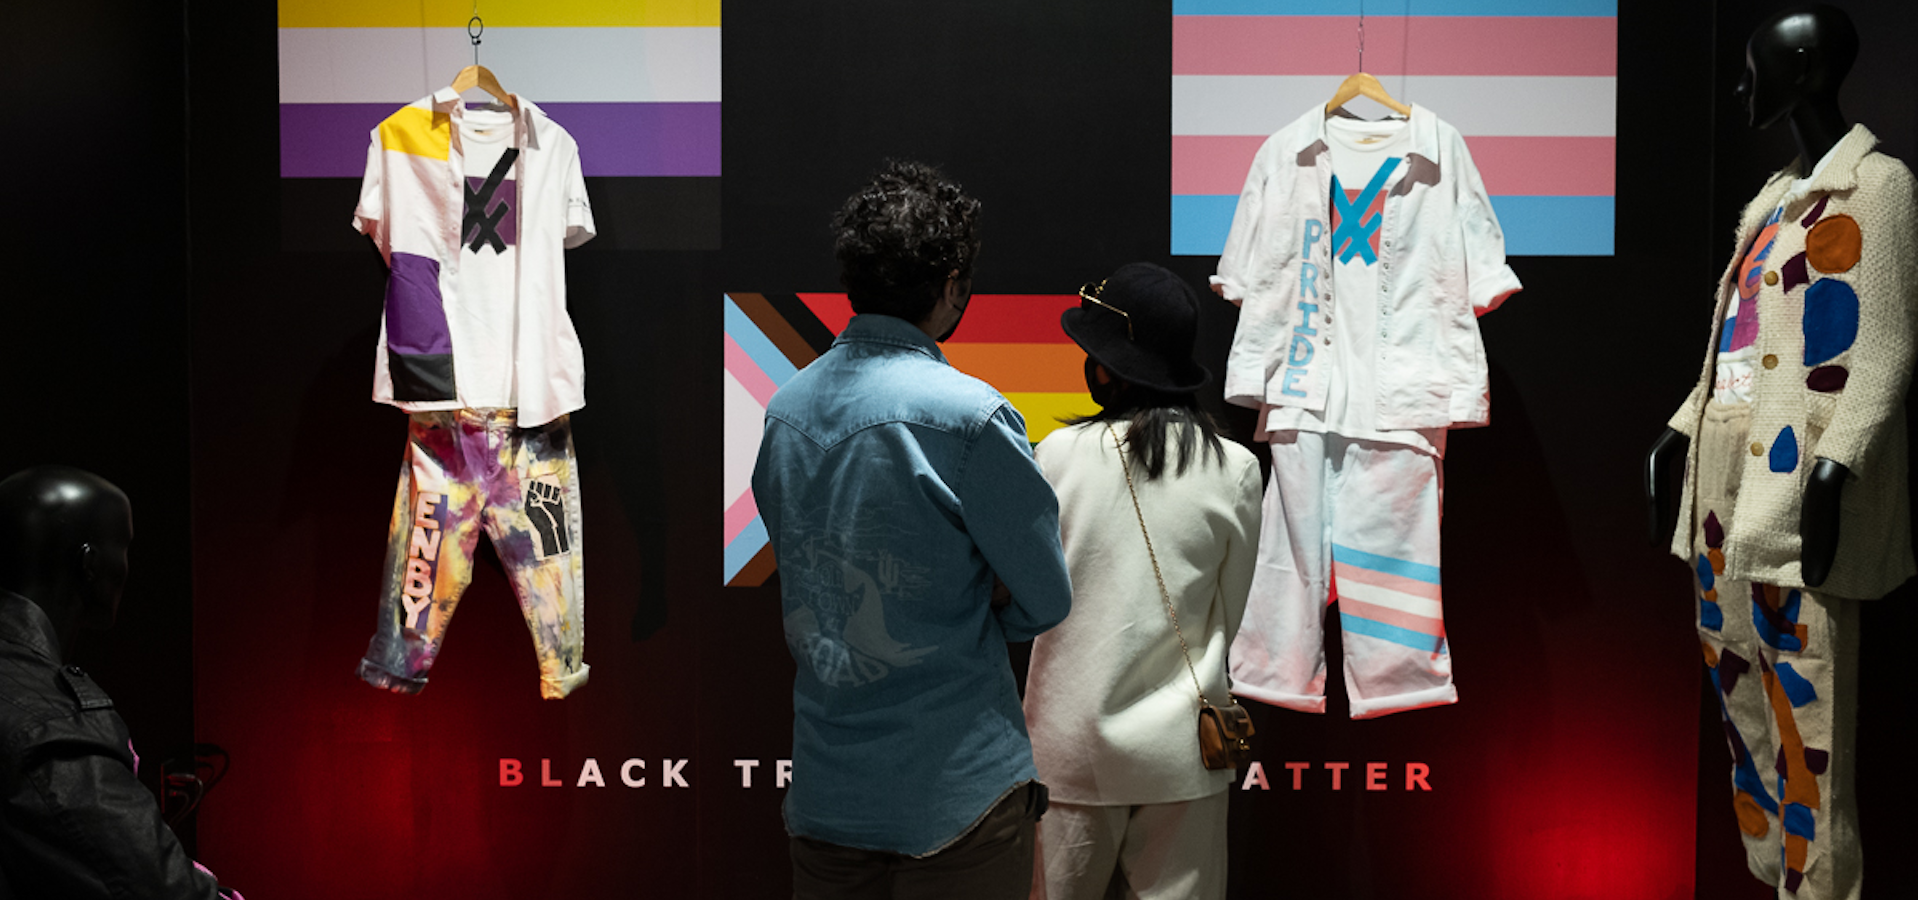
<point x="1225" y="735"/>
<point x="1225" y="732"/>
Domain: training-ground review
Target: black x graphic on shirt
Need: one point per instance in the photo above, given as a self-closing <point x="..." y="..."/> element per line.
<point x="484" y="228"/>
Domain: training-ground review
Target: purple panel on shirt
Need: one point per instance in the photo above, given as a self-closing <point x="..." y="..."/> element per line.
<point x="415" y="318"/>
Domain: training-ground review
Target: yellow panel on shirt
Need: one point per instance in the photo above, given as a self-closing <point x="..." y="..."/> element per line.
<point x="421" y="132"/>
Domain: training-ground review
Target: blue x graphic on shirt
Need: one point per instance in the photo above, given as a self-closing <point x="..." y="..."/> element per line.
<point x="1354" y="234"/>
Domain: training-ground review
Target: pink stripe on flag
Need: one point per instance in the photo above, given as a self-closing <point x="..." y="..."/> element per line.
<point x="1439" y="45"/>
<point x="750" y="377"/>
<point x="1347" y="572"/>
<point x="1546" y="166"/>
<point x="1385" y="616"/>
<point x="1212" y="164"/>
<point x="741" y="514"/>
<point x="1511" y="166"/>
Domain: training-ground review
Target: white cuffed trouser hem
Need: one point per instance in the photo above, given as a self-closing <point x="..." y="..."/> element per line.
<point x="1299" y="702"/>
<point x="1442" y="695"/>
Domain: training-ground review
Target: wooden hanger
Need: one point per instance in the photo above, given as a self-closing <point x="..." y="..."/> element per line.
<point x="481" y="77"/>
<point x="1363" y="85"/>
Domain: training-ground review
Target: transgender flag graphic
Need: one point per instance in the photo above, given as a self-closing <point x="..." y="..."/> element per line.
<point x="1532" y="84"/>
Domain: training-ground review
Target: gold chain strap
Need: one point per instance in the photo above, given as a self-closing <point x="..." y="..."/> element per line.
<point x="1164" y="595"/>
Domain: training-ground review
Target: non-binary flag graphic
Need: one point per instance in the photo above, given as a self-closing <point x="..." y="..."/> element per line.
<point x="636" y="84"/>
<point x="1532" y="85"/>
<point x="1010" y="341"/>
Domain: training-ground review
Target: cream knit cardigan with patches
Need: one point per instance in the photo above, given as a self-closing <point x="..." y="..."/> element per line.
<point x="1862" y="425"/>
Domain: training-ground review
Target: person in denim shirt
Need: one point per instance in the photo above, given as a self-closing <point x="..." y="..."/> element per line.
<point x="894" y="489"/>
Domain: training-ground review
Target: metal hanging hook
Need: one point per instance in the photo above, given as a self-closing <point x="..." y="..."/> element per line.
<point x="475" y="28"/>
<point x="1361" y="35"/>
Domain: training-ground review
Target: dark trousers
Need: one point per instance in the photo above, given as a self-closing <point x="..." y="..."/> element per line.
<point x="993" y="860"/>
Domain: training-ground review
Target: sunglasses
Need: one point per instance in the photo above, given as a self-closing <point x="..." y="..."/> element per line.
<point x="1090" y="291"/>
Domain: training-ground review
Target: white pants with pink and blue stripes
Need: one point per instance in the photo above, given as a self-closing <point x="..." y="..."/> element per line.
<point x="1356" y="521"/>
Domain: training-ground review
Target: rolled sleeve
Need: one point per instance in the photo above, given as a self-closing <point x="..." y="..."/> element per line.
<point x="1242" y="241"/>
<point x="1489" y="279"/>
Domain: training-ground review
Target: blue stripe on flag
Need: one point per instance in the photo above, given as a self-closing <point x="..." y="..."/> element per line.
<point x="1200" y="223"/>
<point x="1405" y="637"/>
<point x="1386" y="564"/>
<point x="1409" y="8"/>
<point x="1556" y="226"/>
<point x="1534" y="226"/>
<point x="750" y="339"/>
<point x="741" y="550"/>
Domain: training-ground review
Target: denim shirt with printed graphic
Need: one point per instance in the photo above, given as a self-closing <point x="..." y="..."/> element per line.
<point x="893" y="488"/>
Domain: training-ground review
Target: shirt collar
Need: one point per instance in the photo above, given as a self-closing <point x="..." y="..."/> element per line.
<point x="1311" y="141"/>
<point x="525" y="136"/>
<point x="24" y="622"/>
<point x="872" y="328"/>
<point x="1841" y="169"/>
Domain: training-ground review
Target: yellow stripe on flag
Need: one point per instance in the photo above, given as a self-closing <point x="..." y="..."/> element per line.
<point x="499" y="14"/>
<point x="1031" y="368"/>
<point x="1042" y="411"/>
<point x="421" y="132"/>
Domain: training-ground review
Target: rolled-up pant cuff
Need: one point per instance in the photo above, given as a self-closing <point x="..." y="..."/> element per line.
<point x="373" y="674"/>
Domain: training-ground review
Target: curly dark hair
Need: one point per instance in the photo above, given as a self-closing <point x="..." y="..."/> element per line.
<point x="900" y="237"/>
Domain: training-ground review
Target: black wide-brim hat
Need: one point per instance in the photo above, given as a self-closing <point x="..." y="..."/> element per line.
<point x="1140" y="324"/>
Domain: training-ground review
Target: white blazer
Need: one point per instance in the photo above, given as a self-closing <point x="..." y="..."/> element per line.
<point x="1111" y="708"/>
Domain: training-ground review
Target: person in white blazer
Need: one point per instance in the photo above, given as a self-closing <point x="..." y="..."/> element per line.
<point x="1110" y="701"/>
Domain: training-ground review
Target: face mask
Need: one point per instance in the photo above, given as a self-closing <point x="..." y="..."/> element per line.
<point x="965" y="301"/>
<point x="1103" y="394"/>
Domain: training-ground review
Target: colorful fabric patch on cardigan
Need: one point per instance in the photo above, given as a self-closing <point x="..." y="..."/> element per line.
<point x="1835" y="245"/>
<point x="1744" y="324"/>
<point x="1828" y="379"/>
<point x="1784" y="451"/>
<point x="1817" y="210"/>
<point x="1794" y="273"/>
<point x="1831" y="319"/>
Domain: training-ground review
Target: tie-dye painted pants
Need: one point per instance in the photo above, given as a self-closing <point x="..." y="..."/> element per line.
<point x="1363" y="515"/>
<point x="468" y="470"/>
<point x="1784" y="662"/>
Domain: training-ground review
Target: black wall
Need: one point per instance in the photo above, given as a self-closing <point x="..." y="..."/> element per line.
<point x="168" y="334"/>
<point x="93" y="316"/>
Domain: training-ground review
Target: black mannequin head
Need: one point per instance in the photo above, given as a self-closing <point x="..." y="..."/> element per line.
<point x="64" y="536"/>
<point x="1794" y="64"/>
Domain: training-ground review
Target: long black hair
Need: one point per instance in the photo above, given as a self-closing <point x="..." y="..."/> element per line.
<point x="1154" y="419"/>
